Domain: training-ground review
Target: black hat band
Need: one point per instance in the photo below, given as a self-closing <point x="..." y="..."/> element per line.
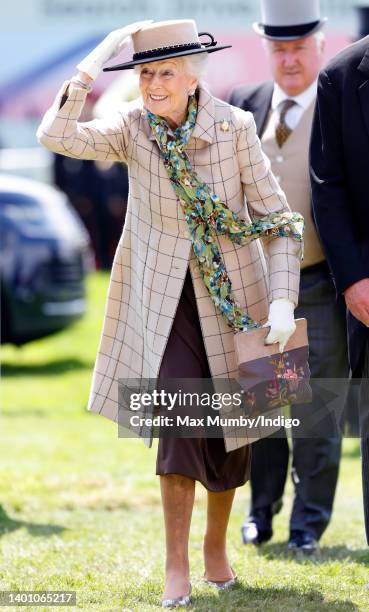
<point x="297" y="30"/>
<point x="165" y="51"/>
<point x="172" y="49"/>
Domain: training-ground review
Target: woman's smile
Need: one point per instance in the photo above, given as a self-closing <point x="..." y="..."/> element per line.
<point x="157" y="98"/>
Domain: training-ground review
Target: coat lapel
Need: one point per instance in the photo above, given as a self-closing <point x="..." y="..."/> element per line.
<point x="363" y="89"/>
<point x="259" y="104"/>
<point x="205" y="124"/>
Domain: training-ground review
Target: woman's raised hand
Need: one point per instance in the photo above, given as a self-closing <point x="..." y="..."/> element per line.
<point x="109" y="48"/>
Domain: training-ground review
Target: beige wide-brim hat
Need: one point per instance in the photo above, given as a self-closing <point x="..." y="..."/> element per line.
<point x="167" y="39"/>
<point x="289" y="19"/>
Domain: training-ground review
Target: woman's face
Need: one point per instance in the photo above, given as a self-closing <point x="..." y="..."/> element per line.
<point x="165" y="88"/>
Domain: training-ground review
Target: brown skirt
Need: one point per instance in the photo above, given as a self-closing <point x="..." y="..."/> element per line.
<point x="202" y="459"/>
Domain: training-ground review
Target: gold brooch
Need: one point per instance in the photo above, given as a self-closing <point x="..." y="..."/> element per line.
<point x="224" y="126"/>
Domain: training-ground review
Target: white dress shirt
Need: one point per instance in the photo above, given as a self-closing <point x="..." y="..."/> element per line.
<point x="295" y="113"/>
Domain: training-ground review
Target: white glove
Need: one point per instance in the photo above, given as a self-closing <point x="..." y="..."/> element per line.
<point x="281" y="321"/>
<point x="109" y="48"/>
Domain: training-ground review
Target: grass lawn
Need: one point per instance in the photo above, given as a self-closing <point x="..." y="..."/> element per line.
<point x="80" y="509"/>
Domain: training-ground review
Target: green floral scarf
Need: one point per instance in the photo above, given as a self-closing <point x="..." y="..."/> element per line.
<point x="207" y="216"/>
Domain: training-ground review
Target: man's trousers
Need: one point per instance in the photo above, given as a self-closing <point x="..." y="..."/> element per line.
<point x="315" y="458"/>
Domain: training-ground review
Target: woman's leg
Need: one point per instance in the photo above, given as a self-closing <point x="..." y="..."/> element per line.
<point x="178" y="494"/>
<point x="217" y="566"/>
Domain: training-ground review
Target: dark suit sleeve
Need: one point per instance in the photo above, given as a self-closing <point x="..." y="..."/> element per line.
<point x="235" y="99"/>
<point x="331" y="200"/>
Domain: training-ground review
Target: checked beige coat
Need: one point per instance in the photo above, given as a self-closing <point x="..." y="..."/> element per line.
<point x="155" y="247"/>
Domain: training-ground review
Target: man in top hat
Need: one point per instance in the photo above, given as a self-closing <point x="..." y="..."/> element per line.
<point x="283" y="110"/>
<point x="339" y="154"/>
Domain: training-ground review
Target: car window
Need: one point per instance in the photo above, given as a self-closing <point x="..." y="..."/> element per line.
<point x="19" y="206"/>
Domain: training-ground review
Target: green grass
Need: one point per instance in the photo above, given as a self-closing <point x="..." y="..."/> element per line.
<point x="80" y="508"/>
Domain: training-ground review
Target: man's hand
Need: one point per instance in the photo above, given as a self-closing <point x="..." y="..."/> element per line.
<point x="357" y="300"/>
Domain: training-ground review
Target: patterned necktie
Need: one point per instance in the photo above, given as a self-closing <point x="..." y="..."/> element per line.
<point x="282" y="130"/>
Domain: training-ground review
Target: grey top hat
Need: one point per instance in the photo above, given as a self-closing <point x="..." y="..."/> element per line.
<point x="289" y="19"/>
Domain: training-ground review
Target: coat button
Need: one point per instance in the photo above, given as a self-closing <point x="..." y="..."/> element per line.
<point x="279" y="159"/>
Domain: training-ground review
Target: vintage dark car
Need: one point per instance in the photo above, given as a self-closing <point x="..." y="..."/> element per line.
<point x="44" y="258"/>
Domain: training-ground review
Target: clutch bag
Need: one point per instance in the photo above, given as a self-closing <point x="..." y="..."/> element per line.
<point x="269" y="379"/>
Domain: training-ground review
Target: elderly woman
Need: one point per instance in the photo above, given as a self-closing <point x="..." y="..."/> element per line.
<point x="187" y="272"/>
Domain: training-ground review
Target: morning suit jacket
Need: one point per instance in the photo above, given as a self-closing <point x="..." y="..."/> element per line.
<point x="339" y="165"/>
<point x="256" y="99"/>
<point x="155" y="248"/>
<point x="315" y="461"/>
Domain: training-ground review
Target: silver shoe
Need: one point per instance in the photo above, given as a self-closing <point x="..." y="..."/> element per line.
<point x="224" y="585"/>
<point x="183" y="600"/>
